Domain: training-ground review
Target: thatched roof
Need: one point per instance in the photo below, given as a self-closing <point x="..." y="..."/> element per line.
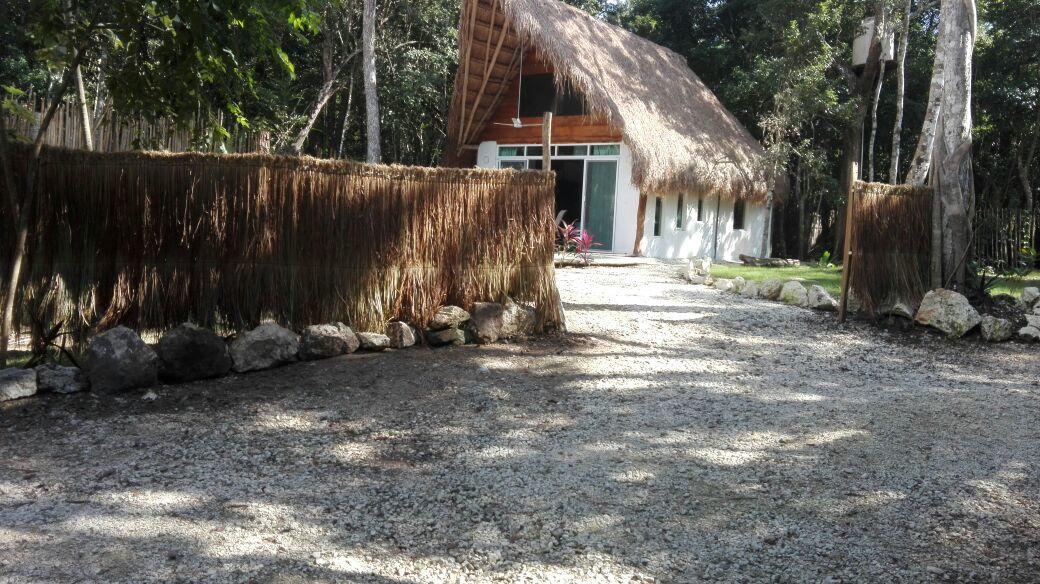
<point x="680" y="134"/>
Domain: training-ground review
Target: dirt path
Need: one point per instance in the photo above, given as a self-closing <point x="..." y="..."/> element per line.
<point x="679" y="435"/>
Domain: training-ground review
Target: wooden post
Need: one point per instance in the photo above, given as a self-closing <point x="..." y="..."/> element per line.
<point x="846" y="267"/>
<point x="546" y="140"/>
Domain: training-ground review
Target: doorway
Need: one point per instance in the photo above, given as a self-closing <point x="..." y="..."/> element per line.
<point x="570" y="183"/>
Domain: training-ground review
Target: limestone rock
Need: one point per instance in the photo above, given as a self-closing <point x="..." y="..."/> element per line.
<point x="17" y="383"/>
<point x="702" y="280"/>
<point x="266" y="346"/>
<point x="699" y="267"/>
<point x="486" y="321"/>
<point x="948" y="312"/>
<point x="996" y="330"/>
<point x="738" y="284"/>
<point x="448" y="317"/>
<point x="770" y="289"/>
<point x="517" y="319"/>
<point x="896" y="308"/>
<point x="401" y="335"/>
<point x="118" y="359"/>
<point x="374" y="341"/>
<point x="820" y="299"/>
<point x="189" y="352"/>
<point x="1030" y="332"/>
<point x="1030" y="297"/>
<point x="750" y="289"/>
<point x="321" y="341"/>
<point x="724" y="284"/>
<point x="794" y="293"/>
<point x="451" y="336"/>
<point x="60" y="379"/>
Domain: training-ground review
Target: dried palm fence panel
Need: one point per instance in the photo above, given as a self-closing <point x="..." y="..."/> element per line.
<point x="891" y="244"/>
<point x="150" y="240"/>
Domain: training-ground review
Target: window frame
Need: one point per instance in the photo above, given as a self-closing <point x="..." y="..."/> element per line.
<point x="742" y="206"/>
<point x="658" y="211"/>
<point x="680" y="212"/>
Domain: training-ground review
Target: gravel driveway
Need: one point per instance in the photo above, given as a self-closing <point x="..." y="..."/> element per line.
<point x="678" y="434"/>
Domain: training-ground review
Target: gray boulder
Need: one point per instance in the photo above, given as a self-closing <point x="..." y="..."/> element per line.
<point x="794" y="293"/>
<point x="190" y="352"/>
<point x="118" y="359"/>
<point x="996" y="330"/>
<point x="448" y="317"/>
<point x="60" y="379"/>
<point x="321" y="341"/>
<point x="699" y="268"/>
<point x="896" y="308"/>
<point x="374" y="341"/>
<point x="947" y="311"/>
<point x="264" y="347"/>
<point x="452" y="336"/>
<point x="820" y="299"/>
<point x="738" y="284"/>
<point x="724" y="284"/>
<point x="17" y="383"/>
<point x="1030" y="332"/>
<point x="485" y="322"/>
<point x="517" y="319"/>
<point x="750" y="289"/>
<point x="1030" y="297"/>
<point x="770" y="289"/>
<point x="401" y="335"/>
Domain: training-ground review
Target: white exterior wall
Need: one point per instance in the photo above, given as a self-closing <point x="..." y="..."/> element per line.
<point x="696" y="237"/>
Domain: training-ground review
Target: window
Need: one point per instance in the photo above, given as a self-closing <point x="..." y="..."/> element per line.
<point x="658" y="209"/>
<point x="517" y="164"/>
<point x="680" y="212"/>
<point x="539" y="94"/>
<point x="606" y="150"/>
<point x="572" y="150"/>
<point x="504" y="151"/>
<point x="700" y="208"/>
<point x="534" y="150"/>
<point x="738" y="215"/>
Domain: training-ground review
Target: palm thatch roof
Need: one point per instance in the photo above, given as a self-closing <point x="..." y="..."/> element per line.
<point x="681" y="136"/>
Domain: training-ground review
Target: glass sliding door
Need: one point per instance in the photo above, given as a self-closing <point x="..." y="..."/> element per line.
<point x="600" y="184"/>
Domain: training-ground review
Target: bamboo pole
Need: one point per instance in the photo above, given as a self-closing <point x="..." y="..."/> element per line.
<point x="846" y="268"/>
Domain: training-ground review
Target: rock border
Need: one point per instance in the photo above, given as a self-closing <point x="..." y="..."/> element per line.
<point x="119" y="360"/>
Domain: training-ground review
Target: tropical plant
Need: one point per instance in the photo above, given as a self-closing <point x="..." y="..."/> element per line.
<point x="575" y="243"/>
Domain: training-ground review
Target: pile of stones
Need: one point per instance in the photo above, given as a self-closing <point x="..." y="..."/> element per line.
<point x="944" y="310"/>
<point x="118" y="359"/>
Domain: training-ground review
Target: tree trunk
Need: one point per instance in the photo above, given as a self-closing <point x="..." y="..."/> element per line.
<point x="328" y="89"/>
<point x="346" y="117"/>
<point x="873" y="119"/>
<point x="637" y="247"/>
<point x="24" y="207"/>
<point x="368" y="34"/>
<point x="897" y="127"/>
<point x="956" y="189"/>
<point x="84" y="110"/>
<point x="918" y="173"/>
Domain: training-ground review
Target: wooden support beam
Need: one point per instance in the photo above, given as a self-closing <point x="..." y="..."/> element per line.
<point x="488" y="66"/>
<point x="468" y="39"/>
<point x="546" y="140"/>
<point x="490" y="110"/>
<point x="847" y="254"/>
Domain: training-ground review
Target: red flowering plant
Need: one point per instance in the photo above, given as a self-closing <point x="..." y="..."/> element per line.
<point x="576" y="243"/>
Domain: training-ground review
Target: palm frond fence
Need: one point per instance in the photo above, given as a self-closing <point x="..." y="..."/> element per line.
<point x="890" y="239"/>
<point x="150" y="240"/>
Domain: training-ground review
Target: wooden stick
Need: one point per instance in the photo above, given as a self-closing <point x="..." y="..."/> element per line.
<point x="546" y="140"/>
<point x="846" y="267"/>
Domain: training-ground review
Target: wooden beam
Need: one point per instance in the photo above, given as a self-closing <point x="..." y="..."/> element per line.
<point x="847" y="254"/>
<point x="465" y="71"/>
<point x="546" y="141"/>
<point x="506" y="83"/>
<point x="487" y="74"/>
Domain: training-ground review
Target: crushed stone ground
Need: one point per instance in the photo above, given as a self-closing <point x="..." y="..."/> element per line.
<point x="679" y="434"/>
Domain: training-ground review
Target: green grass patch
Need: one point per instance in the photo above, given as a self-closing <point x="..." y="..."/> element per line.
<point x="1013" y="286"/>
<point x="829" y="278"/>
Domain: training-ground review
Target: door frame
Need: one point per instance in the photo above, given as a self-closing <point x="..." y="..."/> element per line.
<point x="525" y="157"/>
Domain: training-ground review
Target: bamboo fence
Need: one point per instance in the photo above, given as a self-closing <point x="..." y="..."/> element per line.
<point x="891" y="244"/>
<point x="112" y="132"/>
<point x="150" y="240"/>
<point x="1001" y="234"/>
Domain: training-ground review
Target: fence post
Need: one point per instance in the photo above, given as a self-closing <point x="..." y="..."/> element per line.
<point x="846" y="266"/>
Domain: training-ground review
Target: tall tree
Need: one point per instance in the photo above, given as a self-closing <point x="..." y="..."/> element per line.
<point x="368" y="42"/>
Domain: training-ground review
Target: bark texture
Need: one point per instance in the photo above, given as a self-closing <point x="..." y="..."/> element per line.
<point x="368" y="33"/>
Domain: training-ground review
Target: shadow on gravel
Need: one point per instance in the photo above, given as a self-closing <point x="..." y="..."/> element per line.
<point x="729" y="443"/>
